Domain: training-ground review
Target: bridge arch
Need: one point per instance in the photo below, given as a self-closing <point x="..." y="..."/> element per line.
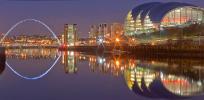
<point x="33" y="20"/>
<point x="36" y="77"/>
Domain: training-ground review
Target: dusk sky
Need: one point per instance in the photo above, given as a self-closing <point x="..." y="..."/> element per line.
<point x="55" y="13"/>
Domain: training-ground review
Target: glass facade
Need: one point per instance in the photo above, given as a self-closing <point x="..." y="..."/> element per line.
<point x="138" y="25"/>
<point x="148" y="26"/>
<point x="149" y="21"/>
<point x="182" y="16"/>
<point x="69" y="37"/>
<point x="129" y="24"/>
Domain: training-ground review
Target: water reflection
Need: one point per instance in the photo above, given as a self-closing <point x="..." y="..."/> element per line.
<point x="69" y="61"/>
<point x="31" y="53"/>
<point x="154" y="78"/>
<point x="26" y="54"/>
<point x="148" y="77"/>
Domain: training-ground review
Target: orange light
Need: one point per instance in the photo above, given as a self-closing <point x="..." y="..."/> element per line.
<point x="152" y="43"/>
<point x="117" y="39"/>
<point x="117" y="63"/>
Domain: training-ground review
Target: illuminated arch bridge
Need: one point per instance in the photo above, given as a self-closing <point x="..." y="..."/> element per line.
<point x="30" y="20"/>
<point x="51" y="66"/>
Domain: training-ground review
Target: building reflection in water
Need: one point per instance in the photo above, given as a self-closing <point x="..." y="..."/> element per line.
<point x="70" y="62"/>
<point x="154" y="78"/>
<point x="25" y="54"/>
<point x="69" y="59"/>
<point x="107" y="64"/>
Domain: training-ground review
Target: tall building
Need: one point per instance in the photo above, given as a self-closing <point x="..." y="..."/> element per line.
<point x="93" y="31"/>
<point x="116" y="30"/>
<point x="103" y="30"/>
<point x="70" y="34"/>
<point x="106" y="30"/>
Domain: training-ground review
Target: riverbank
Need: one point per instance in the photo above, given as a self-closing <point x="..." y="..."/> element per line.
<point x="144" y="50"/>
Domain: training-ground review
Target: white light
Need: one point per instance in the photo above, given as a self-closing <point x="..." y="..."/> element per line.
<point x="104" y="59"/>
<point x="100" y="40"/>
<point x="72" y="44"/>
<point x="100" y="60"/>
<point x="161" y="75"/>
<point x="72" y="53"/>
<point x="199" y="83"/>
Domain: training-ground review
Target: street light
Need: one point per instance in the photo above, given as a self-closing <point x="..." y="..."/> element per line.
<point x="117" y="62"/>
<point x="117" y="39"/>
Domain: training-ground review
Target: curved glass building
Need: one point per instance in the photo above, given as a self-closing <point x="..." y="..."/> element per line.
<point x="156" y="16"/>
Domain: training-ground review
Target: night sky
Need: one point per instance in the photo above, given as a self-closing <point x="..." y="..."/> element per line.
<point x="55" y="13"/>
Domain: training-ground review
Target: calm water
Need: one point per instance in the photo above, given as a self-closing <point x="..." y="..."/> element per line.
<point x="47" y="74"/>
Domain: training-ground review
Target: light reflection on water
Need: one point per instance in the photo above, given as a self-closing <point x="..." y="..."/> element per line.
<point x="147" y="77"/>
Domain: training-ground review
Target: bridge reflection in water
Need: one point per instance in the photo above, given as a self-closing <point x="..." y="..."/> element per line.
<point x="149" y="77"/>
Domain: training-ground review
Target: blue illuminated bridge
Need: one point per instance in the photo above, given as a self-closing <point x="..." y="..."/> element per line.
<point x="51" y="66"/>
